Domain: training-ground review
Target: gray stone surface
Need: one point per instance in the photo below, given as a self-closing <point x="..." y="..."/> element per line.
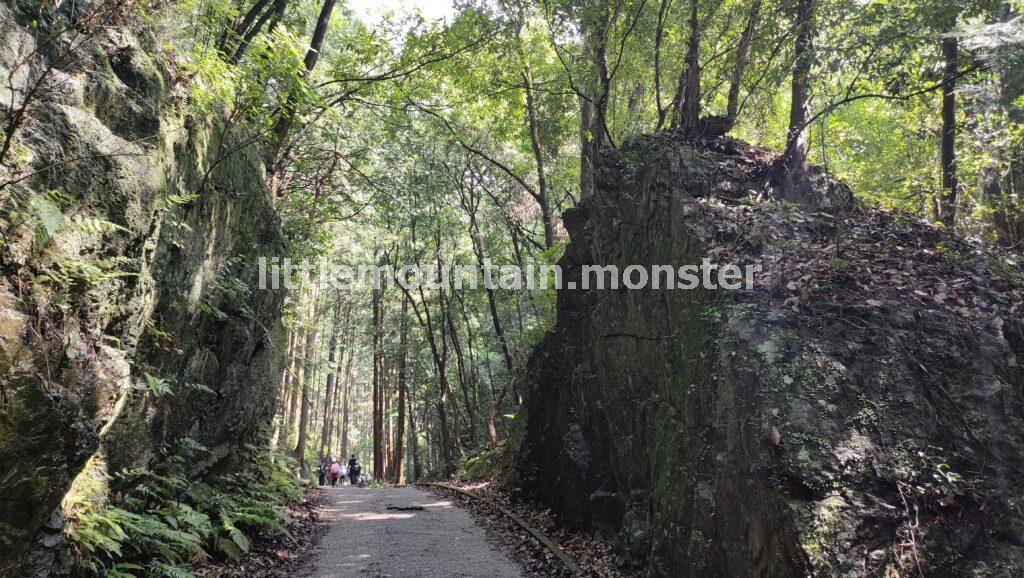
<point x="367" y="539"/>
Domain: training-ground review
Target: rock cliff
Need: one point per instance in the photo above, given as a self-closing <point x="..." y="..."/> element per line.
<point x="129" y="323"/>
<point x="857" y="411"/>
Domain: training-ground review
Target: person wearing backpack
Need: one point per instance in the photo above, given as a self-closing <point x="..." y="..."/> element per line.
<point x="335" y="473"/>
<point x="321" y="471"/>
<point x="353" y="470"/>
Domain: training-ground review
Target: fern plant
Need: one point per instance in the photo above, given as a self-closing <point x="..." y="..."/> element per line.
<point x="164" y="522"/>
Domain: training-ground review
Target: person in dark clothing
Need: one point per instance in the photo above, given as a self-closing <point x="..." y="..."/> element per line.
<point x="353" y="470"/>
<point x="321" y="471"/>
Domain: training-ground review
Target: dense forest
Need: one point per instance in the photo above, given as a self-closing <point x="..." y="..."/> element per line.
<point x="160" y="407"/>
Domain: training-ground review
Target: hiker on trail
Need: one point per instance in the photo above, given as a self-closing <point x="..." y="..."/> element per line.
<point x="335" y="473"/>
<point x="353" y="470"/>
<point x="321" y="471"/>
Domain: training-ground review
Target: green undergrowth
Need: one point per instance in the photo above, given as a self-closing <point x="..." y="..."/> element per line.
<point x="161" y="523"/>
<point x="491" y="463"/>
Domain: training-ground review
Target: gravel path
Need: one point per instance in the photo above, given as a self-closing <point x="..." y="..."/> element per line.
<point x="366" y="538"/>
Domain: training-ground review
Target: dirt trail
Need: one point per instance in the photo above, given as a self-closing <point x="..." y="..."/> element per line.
<point x="402" y="532"/>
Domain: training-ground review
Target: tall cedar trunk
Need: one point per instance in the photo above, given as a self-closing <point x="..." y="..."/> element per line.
<point x="950" y="186"/>
<point x="659" y="34"/>
<point x="385" y="473"/>
<point x="287" y="116"/>
<point x="542" y="195"/>
<point x="332" y="417"/>
<point x="296" y="386"/>
<point x="593" y="106"/>
<point x="492" y="302"/>
<point x="332" y="372"/>
<point x="281" y="434"/>
<point x="439" y="355"/>
<point x="403" y="335"/>
<point x="478" y="248"/>
<point x="317" y="391"/>
<point x="492" y="432"/>
<point x="299" y="453"/>
<point x="689" y="101"/>
<point x="346" y="407"/>
<point x="378" y="423"/>
<point x="339" y="403"/>
<point x="460" y="362"/>
<point x="732" y="108"/>
<point x="414" y="437"/>
<point x="472" y="372"/>
<point x="431" y="438"/>
<point x="453" y="439"/>
<point x="282" y="412"/>
<point x="795" y="156"/>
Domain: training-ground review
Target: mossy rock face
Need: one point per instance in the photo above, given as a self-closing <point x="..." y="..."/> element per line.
<point x="770" y="432"/>
<point x="183" y="307"/>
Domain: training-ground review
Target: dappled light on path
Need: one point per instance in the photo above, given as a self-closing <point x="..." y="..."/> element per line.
<point x="402" y="532"/>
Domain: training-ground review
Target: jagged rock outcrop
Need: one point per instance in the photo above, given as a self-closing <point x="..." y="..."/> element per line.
<point x="129" y="318"/>
<point x="857" y="412"/>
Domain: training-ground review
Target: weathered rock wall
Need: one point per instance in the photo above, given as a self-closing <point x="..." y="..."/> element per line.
<point x="142" y="265"/>
<point x="858" y="412"/>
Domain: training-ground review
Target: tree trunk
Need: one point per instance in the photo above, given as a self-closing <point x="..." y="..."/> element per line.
<point x="287" y="117"/>
<point x="588" y="148"/>
<point x="241" y="26"/>
<point x="403" y="335"/>
<point x="742" y="56"/>
<point x="332" y="379"/>
<point x="538" y="156"/>
<point x="950" y="186"/>
<point x="268" y="19"/>
<point x="345" y="408"/>
<point x="795" y="156"/>
<point x="332" y="418"/>
<point x="593" y="106"/>
<point x="474" y="380"/>
<point x="378" y="401"/>
<point x="299" y="453"/>
<point x="414" y="447"/>
<point x="689" y="82"/>
<point x="296" y="386"/>
<point x="659" y="34"/>
<point x="282" y="418"/>
<point x="385" y="473"/>
<point x="460" y="363"/>
<point x="499" y="332"/>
